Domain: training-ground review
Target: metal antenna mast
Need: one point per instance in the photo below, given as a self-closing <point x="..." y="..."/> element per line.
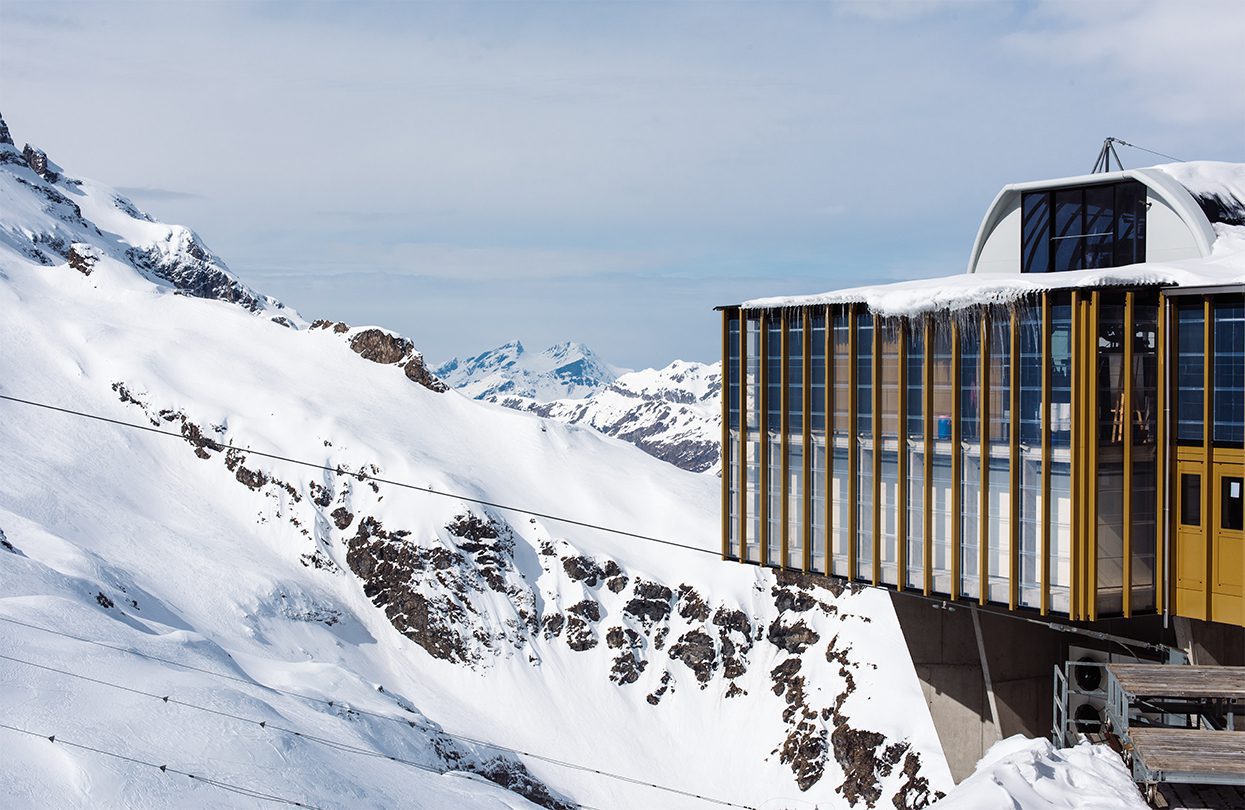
<point x="1103" y="163"/>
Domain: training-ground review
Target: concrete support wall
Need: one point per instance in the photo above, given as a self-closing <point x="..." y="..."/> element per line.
<point x="1211" y="643"/>
<point x="1019" y="658"/>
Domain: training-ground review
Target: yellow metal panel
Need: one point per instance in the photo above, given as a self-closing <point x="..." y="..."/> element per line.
<point x="763" y="461"/>
<point x="829" y="465"/>
<point x="1091" y="390"/>
<point x="1077" y="459"/>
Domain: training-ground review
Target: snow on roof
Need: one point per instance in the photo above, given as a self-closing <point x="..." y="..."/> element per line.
<point x="1224" y="182"/>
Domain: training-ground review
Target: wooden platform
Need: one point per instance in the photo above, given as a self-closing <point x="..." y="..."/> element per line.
<point x="1165" y="680"/>
<point x="1191" y="752"/>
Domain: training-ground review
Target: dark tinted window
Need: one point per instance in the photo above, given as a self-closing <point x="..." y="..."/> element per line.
<point x="1083" y="228"/>
<point x="1233" y="503"/>
<point x="1035" y="251"/>
<point x="1190" y="499"/>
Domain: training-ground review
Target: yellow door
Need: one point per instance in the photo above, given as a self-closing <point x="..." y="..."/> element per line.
<point x="1227" y="569"/>
<point x="1191" y="546"/>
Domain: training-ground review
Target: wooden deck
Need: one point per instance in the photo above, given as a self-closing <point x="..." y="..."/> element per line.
<point x="1191" y="752"/>
<point x="1173" y="681"/>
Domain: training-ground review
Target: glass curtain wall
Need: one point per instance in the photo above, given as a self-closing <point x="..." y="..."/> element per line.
<point x="1190" y="356"/>
<point x="997" y="455"/>
<point x="915" y="484"/>
<point x="941" y="482"/>
<point x="752" y="446"/>
<point x="1110" y="468"/>
<point x="1144" y="426"/>
<point x="795" y="440"/>
<point x="773" y="434"/>
<point x="841" y="490"/>
<point x="817" y="438"/>
<point x="730" y="463"/>
<point x="864" y="446"/>
<point x="1032" y="503"/>
<point x="889" y="484"/>
<point x="1060" y="513"/>
<point x="1228" y="399"/>
<point x="970" y="457"/>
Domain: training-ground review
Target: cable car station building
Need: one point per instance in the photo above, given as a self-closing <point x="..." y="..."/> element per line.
<point x="1058" y="434"/>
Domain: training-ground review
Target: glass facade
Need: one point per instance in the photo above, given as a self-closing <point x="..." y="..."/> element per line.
<point x="1008" y="453"/>
<point x="1083" y="228"/>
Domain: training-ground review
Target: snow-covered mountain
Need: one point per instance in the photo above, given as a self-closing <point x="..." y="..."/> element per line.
<point x="328" y="635"/>
<point x="564" y="371"/>
<point x="673" y="413"/>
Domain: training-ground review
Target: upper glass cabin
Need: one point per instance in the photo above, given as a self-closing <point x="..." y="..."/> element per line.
<point x="1060" y="429"/>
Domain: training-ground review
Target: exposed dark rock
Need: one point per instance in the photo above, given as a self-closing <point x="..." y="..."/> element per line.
<point x="583" y="569"/>
<point x="321" y="496"/>
<point x="342" y="518"/>
<point x="587" y="610"/>
<point x="617" y="584"/>
<point x="804" y="750"/>
<point x="417" y="371"/>
<point x="553" y="624"/>
<point x="856" y="752"/>
<point x="734" y="690"/>
<point x="82" y="257"/>
<point x="104" y="601"/>
<point x="792" y="638"/>
<point x="4" y="541"/>
<point x="491" y="546"/>
<point x="5" y="136"/>
<point x="732" y="625"/>
<point x="514" y="776"/>
<point x="37" y="160"/>
<point x="252" y="479"/>
<point x="579" y="635"/>
<point x="617" y="637"/>
<point x="656" y="695"/>
<point x="186" y="263"/>
<point x="281" y="320"/>
<point x="890" y="757"/>
<point x="381" y="347"/>
<point x="627" y="667"/>
<point x="695" y="649"/>
<point x="914" y="793"/>
<point x="691" y="606"/>
<point x="793" y="600"/>
<point x="650" y="603"/>
<point x="612" y="569"/>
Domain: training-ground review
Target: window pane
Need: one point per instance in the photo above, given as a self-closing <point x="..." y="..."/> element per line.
<point x="1069" y="230"/>
<point x="1060" y="509"/>
<point x="944" y="520"/>
<point x="1190" y="499"/>
<point x="1099" y="226"/>
<point x="1110" y="471"/>
<point x="795" y="440"/>
<point x="1229" y="370"/>
<point x="998" y="457"/>
<point x="864" y="444"/>
<point x="1032" y="504"/>
<point x="730" y="455"/>
<point x="842" y="505"/>
<point x="817" y="452"/>
<point x="1130" y="223"/>
<point x="773" y="428"/>
<point x="916" y="455"/>
<point x="1232" y="502"/>
<point x="1190" y="347"/>
<point x="1144" y="382"/>
<point x="1035" y="250"/>
<point x="752" y="460"/>
<point x="970" y="457"/>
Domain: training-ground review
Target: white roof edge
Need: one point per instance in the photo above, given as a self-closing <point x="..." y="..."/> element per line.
<point x="1166" y="187"/>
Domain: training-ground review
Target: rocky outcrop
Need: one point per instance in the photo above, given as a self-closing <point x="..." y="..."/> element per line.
<point x="82" y="257"/>
<point x="37" y="160"/>
<point x="387" y="349"/>
<point x="5" y="137"/>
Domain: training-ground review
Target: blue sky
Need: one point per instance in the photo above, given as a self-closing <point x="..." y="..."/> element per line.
<point x="467" y="173"/>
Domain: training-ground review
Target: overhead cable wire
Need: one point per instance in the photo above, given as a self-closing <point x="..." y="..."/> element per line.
<point x="241" y="790"/>
<point x="360" y="475"/>
<point x="363" y="476"/>
<point x="1143" y="149"/>
<point x="264" y="724"/>
<point x="332" y="703"/>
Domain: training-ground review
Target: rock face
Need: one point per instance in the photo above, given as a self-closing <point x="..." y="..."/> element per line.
<point x="388" y="349"/>
<point x="37" y="160"/>
<point x="5" y="137"/>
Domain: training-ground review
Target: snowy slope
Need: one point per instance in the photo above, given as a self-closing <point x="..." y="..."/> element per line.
<point x="629" y="656"/>
<point x="564" y="371"/>
<point x="673" y="413"/>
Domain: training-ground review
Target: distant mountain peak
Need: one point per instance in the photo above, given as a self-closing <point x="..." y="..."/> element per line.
<point x="566" y="370"/>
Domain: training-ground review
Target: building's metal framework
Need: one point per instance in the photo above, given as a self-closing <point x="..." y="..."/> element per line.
<point x="1106" y="534"/>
